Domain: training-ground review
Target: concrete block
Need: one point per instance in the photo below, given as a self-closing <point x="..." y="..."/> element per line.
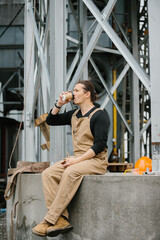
<point x="30" y="210"/>
<point x="109" y="207"/>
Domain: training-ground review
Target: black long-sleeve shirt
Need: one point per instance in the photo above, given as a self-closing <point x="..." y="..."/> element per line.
<point x="99" y="124"/>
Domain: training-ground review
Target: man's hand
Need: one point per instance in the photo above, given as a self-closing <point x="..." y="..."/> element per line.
<point x="73" y="160"/>
<point x="60" y="100"/>
<point x="70" y="161"/>
<point x="60" y="103"/>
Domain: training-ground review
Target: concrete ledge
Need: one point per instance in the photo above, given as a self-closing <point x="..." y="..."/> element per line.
<point x="108" y="207"/>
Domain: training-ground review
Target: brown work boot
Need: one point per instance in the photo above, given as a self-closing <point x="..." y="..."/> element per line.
<point x="41" y="229"/>
<point x="61" y="226"/>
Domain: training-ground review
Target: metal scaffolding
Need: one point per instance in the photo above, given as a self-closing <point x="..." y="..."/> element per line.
<point x="64" y="40"/>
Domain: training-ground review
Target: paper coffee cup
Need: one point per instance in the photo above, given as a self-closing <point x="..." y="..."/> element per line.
<point x="67" y="96"/>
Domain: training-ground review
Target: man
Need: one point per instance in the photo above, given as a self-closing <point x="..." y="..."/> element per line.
<point x="62" y="180"/>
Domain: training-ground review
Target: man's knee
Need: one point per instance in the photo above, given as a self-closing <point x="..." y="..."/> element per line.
<point x="70" y="172"/>
<point x="55" y="169"/>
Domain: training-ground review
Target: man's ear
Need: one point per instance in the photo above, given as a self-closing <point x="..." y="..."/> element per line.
<point x="88" y="94"/>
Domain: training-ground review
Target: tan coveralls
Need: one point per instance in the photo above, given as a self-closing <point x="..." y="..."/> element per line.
<point x="60" y="184"/>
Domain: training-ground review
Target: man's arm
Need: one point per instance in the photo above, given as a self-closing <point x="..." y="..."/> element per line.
<point x="72" y="160"/>
<point x="99" y="127"/>
<point x="56" y="110"/>
<point x="55" y="119"/>
<point x="59" y="104"/>
<point x="59" y="119"/>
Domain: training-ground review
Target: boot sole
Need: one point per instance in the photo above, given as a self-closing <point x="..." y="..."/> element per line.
<point x="54" y="233"/>
<point x="38" y="234"/>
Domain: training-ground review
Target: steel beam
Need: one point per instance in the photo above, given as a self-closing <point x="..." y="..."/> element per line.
<point x="135" y="112"/>
<point x="92" y="27"/>
<point x="8" y="81"/>
<point x="119" y="44"/>
<point x="91" y="45"/>
<point x="110" y="96"/>
<point x="29" y="143"/>
<point x="74" y="15"/>
<point x="40" y="49"/>
<point x="72" y="67"/>
<point x="154" y="47"/>
<point x="145" y="127"/>
<point x="108" y="50"/>
<point x="121" y="29"/>
<point x="45" y="45"/>
<point x="57" y="73"/>
<point x="1" y="100"/>
<point x="10" y="103"/>
<point x="72" y="39"/>
<point x="83" y="35"/>
<point x="115" y="86"/>
<point x="39" y="76"/>
<point x="69" y="38"/>
<point x="36" y="86"/>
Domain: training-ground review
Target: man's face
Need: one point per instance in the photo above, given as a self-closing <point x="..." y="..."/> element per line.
<point x="79" y="95"/>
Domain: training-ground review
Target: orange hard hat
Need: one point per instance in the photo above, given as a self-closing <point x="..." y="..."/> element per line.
<point x="143" y="164"/>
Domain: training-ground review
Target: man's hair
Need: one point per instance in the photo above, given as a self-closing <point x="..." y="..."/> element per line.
<point x="88" y="87"/>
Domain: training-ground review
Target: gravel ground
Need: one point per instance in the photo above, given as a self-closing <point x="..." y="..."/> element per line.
<point x="3" y="226"/>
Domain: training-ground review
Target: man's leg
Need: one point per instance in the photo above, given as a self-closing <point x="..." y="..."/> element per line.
<point x="51" y="178"/>
<point x="70" y="181"/>
<point x="50" y="181"/>
<point x="69" y="184"/>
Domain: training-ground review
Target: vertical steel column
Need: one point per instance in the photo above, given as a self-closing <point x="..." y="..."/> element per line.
<point x="1" y="100"/>
<point x="154" y="36"/>
<point x="83" y="25"/>
<point x="29" y="148"/>
<point x="57" y="73"/>
<point x="135" y="142"/>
